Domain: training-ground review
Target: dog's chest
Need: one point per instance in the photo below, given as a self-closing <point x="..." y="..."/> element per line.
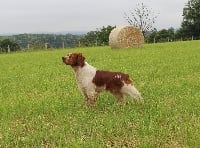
<point x="84" y="76"/>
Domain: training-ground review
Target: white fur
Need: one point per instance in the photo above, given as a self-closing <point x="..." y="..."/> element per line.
<point x="131" y="91"/>
<point x="84" y="76"/>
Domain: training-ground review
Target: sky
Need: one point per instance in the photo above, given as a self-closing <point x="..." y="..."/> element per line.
<point x="31" y="16"/>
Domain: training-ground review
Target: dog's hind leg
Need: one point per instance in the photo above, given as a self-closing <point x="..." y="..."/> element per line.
<point x="118" y="95"/>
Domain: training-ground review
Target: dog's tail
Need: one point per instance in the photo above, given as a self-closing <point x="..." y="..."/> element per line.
<point x="131" y="91"/>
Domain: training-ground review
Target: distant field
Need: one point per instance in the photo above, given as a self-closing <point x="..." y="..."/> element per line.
<point x="41" y="106"/>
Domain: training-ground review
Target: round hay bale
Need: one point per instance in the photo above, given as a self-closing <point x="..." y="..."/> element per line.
<point x="126" y="37"/>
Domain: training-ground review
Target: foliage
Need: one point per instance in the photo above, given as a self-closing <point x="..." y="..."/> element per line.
<point x="151" y="36"/>
<point x="39" y="41"/>
<point x="164" y="35"/>
<point x="103" y="35"/>
<point x="8" y="45"/>
<point x="42" y="41"/>
<point x="191" y="20"/>
<point x="90" y="39"/>
<point x="142" y="17"/>
<point x="99" y="37"/>
<point x="40" y="105"/>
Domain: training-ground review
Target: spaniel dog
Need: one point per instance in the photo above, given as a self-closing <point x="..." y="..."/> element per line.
<point x="92" y="81"/>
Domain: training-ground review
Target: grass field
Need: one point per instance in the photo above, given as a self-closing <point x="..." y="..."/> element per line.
<point x="41" y="106"/>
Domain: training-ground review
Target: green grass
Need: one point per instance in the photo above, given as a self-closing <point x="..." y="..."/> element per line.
<point x="41" y="106"/>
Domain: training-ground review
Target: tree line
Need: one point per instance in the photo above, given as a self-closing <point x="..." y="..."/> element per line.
<point x="167" y="35"/>
<point x="39" y="41"/>
<point x="142" y="17"/>
<point x="99" y="37"/>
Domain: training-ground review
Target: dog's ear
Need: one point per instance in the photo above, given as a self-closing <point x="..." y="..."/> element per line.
<point x="80" y="60"/>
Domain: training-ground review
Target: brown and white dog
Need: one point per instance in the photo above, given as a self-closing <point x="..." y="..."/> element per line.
<point x="92" y="81"/>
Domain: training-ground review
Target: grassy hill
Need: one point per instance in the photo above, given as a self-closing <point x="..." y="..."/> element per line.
<point x="41" y="106"/>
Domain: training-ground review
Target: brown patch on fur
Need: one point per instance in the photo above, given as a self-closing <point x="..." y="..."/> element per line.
<point x="113" y="81"/>
<point x="74" y="59"/>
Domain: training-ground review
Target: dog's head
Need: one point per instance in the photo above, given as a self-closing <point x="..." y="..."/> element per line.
<point x="74" y="59"/>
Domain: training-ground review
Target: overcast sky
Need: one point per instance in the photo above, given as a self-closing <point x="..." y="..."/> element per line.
<point x="28" y="16"/>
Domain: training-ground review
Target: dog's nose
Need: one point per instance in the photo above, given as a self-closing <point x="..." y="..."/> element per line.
<point x="63" y="58"/>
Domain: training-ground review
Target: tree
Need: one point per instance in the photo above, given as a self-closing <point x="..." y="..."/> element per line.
<point x="90" y="39"/>
<point x="179" y="34"/>
<point x="142" y="17"/>
<point x="97" y="38"/>
<point x="191" y="19"/>
<point x="8" y="44"/>
<point x="103" y="35"/>
<point x="164" y="35"/>
<point x="171" y="33"/>
<point x="151" y="36"/>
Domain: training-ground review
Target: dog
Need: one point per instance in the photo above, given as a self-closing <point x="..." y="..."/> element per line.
<point x="92" y="81"/>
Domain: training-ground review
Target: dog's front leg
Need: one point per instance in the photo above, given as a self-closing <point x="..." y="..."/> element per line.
<point x="92" y="97"/>
<point x="86" y="99"/>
